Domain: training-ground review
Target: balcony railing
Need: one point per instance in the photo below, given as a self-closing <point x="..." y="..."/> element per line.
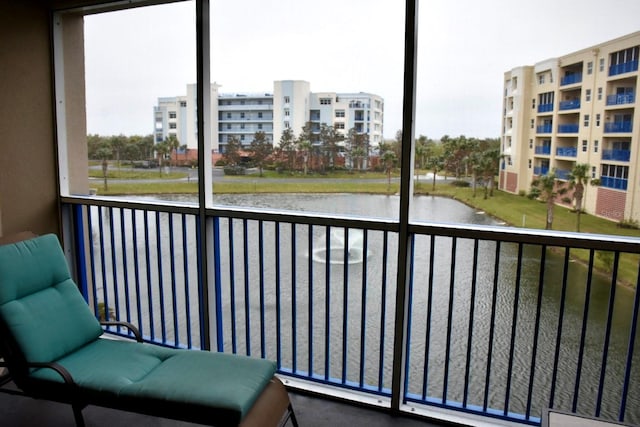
<point x="627" y="98"/>
<point x="545" y="108"/>
<point x="567" y="151"/>
<point x="568" y="128"/>
<point x="626" y="67"/>
<point x="540" y="170"/>
<point x="571" y="79"/>
<point x="544" y="129"/>
<point x="562" y="174"/>
<point x="570" y="105"/>
<point x="497" y="323"/>
<point x="543" y="149"/>
<point x="617" y="155"/>
<point x="612" y="182"/>
<point x="618" y="127"/>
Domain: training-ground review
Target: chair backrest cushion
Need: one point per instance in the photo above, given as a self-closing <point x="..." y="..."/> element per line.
<point x="40" y="305"/>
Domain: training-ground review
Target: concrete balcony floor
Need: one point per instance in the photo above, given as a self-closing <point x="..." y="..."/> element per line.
<point x="19" y="411"/>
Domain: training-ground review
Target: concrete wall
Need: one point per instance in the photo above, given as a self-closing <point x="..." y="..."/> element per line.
<point x="28" y="178"/>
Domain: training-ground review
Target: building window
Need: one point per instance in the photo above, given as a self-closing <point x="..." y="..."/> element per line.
<point x="588" y="95"/>
<point x="595" y="146"/>
<point x="509" y="161"/>
<point x="598" y="119"/>
<point x="228" y="115"/>
<point x="590" y="67"/>
<point x="259" y="115"/>
<point x="259" y="125"/>
<point x="287" y="99"/>
<point x="340" y="113"/>
<point x="241" y="137"/>
<point x="183" y="104"/>
<point x="339" y="125"/>
<point x="228" y="125"/>
<point x="242" y="115"/>
<point x="172" y="114"/>
<point x="541" y="79"/>
<point x="593" y="172"/>
<point x="585" y="145"/>
<point x="241" y="125"/>
<point x="529" y="163"/>
<point x="601" y="64"/>
<point x="586" y="120"/>
<point x="599" y="94"/>
<point x="614" y="176"/>
<point x="172" y="125"/>
<point x="325" y="101"/>
<point x="287" y="112"/>
<point x="286" y="125"/>
<point x="530" y="143"/>
<point x="533" y="123"/>
<point x="533" y="103"/>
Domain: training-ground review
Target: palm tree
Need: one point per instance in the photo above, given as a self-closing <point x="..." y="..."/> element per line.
<point x="388" y="160"/>
<point x="545" y="188"/>
<point x="578" y="178"/>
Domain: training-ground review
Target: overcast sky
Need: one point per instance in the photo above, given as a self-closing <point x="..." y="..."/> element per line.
<point x="133" y="57"/>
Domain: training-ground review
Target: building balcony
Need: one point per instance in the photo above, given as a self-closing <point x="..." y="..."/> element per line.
<point x="612" y="182"/>
<point x="626" y="67"/>
<point x="568" y="128"/>
<point x="567" y="151"/>
<point x="545" y="108"/>
<point x="245" y="107"/>
<point x="618" y="127"/>
<point x="617" y="155"/>
<point x="627" y="98"/>
<point x="544" y="129"/>
<point x="319" y="295"/>
<point x="543" y="150"/>
<point x="571" y="79"/>
<point x="562" y="174"/>
<point x="569" y="105"/>
<point x="540" y="170"/>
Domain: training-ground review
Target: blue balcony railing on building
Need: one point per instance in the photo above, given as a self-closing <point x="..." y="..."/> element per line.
<point x="540" y="170"/>
<point x="571" y="79"/>
<point x="626" y="67"/>
<point x="620" y="99"/>
<point x="618" y="127"/>
<point x="567" y="151"/>
<point x="544" y="128"/>
<point x="545" y="108"/>
<point x="612" y="182"/>
<point x="496" y="324"/>
<point x="617" y="155"/>
<point x="543" y="149"/>
<point x="568" y="128"/>
<point x="562" y="174"/>
<point x="570" y="105"/>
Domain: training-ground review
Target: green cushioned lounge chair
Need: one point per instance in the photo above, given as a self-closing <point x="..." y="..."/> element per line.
<point x="53" y="348"/>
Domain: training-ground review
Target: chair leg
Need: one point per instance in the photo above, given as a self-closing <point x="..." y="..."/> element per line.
<point x="292" y="416"/>
<point x="77" y="415"/>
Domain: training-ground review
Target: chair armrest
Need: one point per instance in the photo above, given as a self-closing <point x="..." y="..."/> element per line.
<point x="127" y="325"/>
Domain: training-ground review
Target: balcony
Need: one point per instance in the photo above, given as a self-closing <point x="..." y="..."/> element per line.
<point x="626" y="67"/>
<point x="548" y="128"/>
<point x="571" y="79"/>
<point x="541" y="170"/>
<point x="543" y="150"/>
<point x="563" y="174"/>
<point x="569" y="128"/>
<point x="618" y="127"/>
<point x="617" y="155"/>
<point x="626" y="98"/>
<point x="545" y="108"/>
<point x="569" y="105"/>
<point x="318" y="295"/>
<point x="567" y="151"/>
<point x="612" y="182"/>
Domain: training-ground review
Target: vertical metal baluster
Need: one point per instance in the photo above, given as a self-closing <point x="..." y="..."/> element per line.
<point x="136" y="269"/>
<point x="556" y="357"/>
<point x="163" y="326"/>
<point x="114" y="269"/>
<point x="492" y="326"/>
<point x="327" y="304"/>
<point x="363" y="311"/>
<point x="263" y="349"/>
<point x="472" y="303"/>
<point x="514" y="326"/>
<point x="294" y="301"/>
<point x="607" y="336"/>
<point x="345" y="304"/>
<point x="452" y="282"/>
<point x="310" y="300"/>
<point x="185" y="266"/>
<point x="125" y="269"/>
<point x="583" y="333"/>
<point x="247" y="308"/>
<point x="152" y="328"/>
<point x="103" y="267"/>
<point x="536" y="332"/>
<point x="80" y="249"/>
<point x="630" y="349"/>
<point x="92" y="260"/>
<point x="232" y="286"/>
<point x="412" y="243"/>
<point x="217" y="271"/>
<point x="427" y="335"/>
<point x="383" y="306"/>
<point x="174" y="293"/>
<point x="278" y="301"/>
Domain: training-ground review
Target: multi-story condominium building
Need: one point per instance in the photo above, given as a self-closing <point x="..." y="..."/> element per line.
<point x="291" y="105"/>
<point x="577" y="109"/>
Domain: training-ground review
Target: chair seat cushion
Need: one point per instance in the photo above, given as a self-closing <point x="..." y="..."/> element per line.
<point x="213" y="388"/>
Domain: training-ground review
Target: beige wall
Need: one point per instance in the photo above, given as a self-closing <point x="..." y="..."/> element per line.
<point x="28" y="182"/>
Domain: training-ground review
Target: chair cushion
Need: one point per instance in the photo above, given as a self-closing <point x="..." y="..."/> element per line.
<point x="200" y="386"/>
<point x="39" y="302"/>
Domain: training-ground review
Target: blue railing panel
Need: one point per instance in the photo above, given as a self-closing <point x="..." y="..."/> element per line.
<point x="617" y="155"/>
<point x="620" y="99"/>
<point x="571" y="79"/>
<point x="569" y="105"/>
<point x="562" y="174"/>
<point x="539" y="170"/>
<point x="544" y="129"/>
<point x="543" y="149"/>
<point x="612" y="182"/>
<point x="568" y="128"/>
<point x="618" y="127"/>
<point x="567" y="151"/>
<point x="545" y="108"/>
<point x="626" y="67"/>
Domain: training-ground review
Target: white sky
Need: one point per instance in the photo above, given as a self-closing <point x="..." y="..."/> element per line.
<point x="133" y="57"/>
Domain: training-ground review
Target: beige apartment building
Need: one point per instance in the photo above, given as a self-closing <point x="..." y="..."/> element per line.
<point x="578" y="108"/>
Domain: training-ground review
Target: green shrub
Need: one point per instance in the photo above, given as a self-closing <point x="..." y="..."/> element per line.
<point x="235" y="170"/>
<point x="460" y="183"/>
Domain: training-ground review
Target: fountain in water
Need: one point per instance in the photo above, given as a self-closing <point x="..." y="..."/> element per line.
<point x="354" y="247"/>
